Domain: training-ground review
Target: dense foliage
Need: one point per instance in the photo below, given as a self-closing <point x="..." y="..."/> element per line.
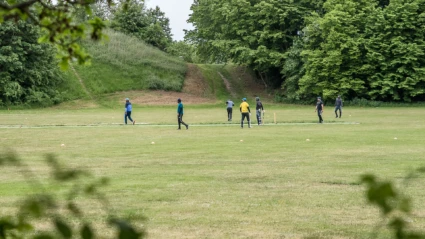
<point x="57" y="19"/>
<point x="360" y="49"/>
<point x="28" y="69"/>
<point x="149" y="25"/>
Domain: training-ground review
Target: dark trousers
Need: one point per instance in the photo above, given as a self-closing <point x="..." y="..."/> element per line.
<point x="180" y="120"/>
<point x="319" y="113"/>
<point x="340" y="111"/>
<point x="229" y="114"/>
<point x="127" y="115"/>
<point x="245" y="115"/>
<point x="259" y="116"/>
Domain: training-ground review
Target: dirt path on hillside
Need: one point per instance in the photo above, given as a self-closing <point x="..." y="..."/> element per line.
<point x="81" y="82"/>
<point x="195" y="83"/>
<point x="227" y="84"/>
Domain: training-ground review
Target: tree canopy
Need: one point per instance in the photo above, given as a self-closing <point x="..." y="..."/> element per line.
<point x="357" y="48"/>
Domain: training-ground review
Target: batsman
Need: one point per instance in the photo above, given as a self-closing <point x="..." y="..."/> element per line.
<point x="259" y="108"/>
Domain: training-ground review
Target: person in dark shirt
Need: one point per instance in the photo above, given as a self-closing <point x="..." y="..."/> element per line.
<point x="127" y="111"/>
<point x="230" y="105"/>
<point x="319" y="109"/>
<point x="338" y="106"/>
<point x="259" y="108"/>
<point x="180" y="114"/>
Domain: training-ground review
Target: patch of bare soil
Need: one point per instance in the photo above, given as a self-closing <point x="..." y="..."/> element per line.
<point x="252" y="86"/>
<point x="161" y="97"/>
<point x="195" y="83"/>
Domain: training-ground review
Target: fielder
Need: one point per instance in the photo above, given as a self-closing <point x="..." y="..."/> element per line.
<point x="230" y="105"/>
<point x="258" y="108"/>
<point x="127" y="111"/>
<point x="338" y="106"/>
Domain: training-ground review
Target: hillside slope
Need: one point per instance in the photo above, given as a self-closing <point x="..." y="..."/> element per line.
<point x="125" y="63"/>
<point x="126" y="67"/>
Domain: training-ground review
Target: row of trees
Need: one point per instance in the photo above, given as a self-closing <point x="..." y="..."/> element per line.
<point x="29" y="72"/>
<point x="357" y="48"/>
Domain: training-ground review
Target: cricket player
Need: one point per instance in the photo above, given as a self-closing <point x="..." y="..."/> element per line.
<point x="180" y="114"/>
<point x="127" y="111"/>
<point x="230" y="105"/>
<point x="258" y="108"/>
<point x="338" y="106"/>
<point x="319" y="109"/>
<point x="246" y="112"/>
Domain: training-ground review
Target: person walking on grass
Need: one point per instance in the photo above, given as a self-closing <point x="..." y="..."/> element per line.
<point x="338" y="106"/>
<point x="180" y="114"/>
<point x="259" y="108"/>
<point x="230" y="105"/>
<point x="127" y="111"/>
<point x="319" y="109"/>
<point x="246" y="112"/>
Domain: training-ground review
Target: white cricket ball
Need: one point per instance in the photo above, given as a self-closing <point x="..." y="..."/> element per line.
<point x="307" y="140"/>
<point x="62" y="145"/>
<point x="153" y="143"/>
<point x="241" y="140"/>
<point x="395" y="137"/>
<point x="350" y="115"/>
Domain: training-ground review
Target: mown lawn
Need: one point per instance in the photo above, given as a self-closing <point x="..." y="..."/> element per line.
<point x="207" y="183"/>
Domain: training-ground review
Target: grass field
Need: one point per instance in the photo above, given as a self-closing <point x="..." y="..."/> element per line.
<point x="206" y="183"/>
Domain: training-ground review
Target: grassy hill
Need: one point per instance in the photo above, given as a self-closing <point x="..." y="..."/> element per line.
<point x="124" y="63"/>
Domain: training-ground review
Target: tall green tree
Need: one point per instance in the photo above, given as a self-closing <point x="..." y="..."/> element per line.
<point x="28" y="69"/>
<point x="396" y="51"/>
<point x="365" y="49"/>
<point x="149" y="25"/>
<point x="256" y="33"/>
<point x="334" y="50"/>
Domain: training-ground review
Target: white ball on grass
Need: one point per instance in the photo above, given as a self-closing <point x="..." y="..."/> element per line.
<point x="62" y="145"/>
<point x="153" y="143"/>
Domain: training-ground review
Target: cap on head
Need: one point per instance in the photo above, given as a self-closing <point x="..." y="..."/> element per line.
<point x="257" y="98"/>
<point x="127" y="99"/>
<point x="179" y="100"/>
<point x="339" y="96"/>
<point x="244" y="99"/>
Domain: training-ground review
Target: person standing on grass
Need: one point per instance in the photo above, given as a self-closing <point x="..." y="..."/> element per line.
<point x="127" y="111"/>
<point x="258" y="108"/>
<point x="180" y="114"/>
<point x="338" y="106"/>
<point x="230" y="105"/>
<point x="319" y="109"/>
<point x="246" y="112"/>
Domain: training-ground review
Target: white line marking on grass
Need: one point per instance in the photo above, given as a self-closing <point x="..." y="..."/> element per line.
<point x="158" y="125"/>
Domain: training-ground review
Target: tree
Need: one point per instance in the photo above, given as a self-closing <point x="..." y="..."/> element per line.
<point x="256" y="33"/>
<point x="396" y="49"/>
<point x="57" y="22"/>
<point x="334" y="50"/>
<point x="183" y="49"/>
<point x="28" y="70"/>
<point x="149" y="25"/>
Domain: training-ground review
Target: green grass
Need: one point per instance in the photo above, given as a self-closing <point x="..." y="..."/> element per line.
<point x="125" y="63"/>
<point x="206" y="183"/>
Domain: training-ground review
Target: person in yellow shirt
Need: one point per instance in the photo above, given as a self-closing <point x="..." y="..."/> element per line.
<point x="246" y="112"/>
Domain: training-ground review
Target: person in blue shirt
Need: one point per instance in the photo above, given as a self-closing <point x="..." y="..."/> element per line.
<point x="230" y="105"/>
<point x="180" y="114"/>
<point x="127" y="111"/>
